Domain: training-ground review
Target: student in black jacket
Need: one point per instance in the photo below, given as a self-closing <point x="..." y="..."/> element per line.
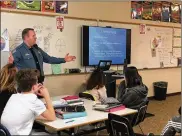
<point x="7" y="79"/>
<point x="133" y="92"/>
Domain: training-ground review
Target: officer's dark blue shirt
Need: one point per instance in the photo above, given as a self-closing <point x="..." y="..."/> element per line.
<point x="23" y="58"/>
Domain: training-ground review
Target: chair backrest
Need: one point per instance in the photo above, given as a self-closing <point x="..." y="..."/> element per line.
<point x="140" y="116"/>
<point x="86" y="96"/>
<point x="4" y="131"/>
<point x="119" y="126"/>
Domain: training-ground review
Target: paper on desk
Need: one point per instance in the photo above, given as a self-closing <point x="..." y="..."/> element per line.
<point x="56" y="68"/>
<point x="59" y="102"/>
<point x="80" y="119"/>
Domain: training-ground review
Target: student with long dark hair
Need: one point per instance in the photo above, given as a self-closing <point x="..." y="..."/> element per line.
<point x="135" y="92"/>
<point x="7" y="80"/>
<point x="96" y="85"/>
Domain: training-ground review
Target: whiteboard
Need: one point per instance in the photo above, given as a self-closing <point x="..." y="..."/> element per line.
<point x="58" y="44"/>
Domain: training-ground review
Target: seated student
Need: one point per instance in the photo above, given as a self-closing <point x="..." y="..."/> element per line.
<point x="96" y="85"/>
<point x="136" y="92"/>
<point x="7" y="78"/>
<point x="173" y="126"/>
<point x="22" y="108"/>
<point x="122" y="86"/>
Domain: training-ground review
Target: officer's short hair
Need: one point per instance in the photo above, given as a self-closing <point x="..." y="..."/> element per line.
<point x="25" y="79"/>
<point x="25" y="32"/>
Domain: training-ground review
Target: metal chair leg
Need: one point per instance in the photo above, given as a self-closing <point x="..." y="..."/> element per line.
<point x="141" y="129"/>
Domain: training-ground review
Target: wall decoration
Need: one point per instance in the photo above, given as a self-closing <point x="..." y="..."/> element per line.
<point x="29" y="5"/>
<point x="136" y="9"/>
<point x="8" y="4"/>
<point x="4" y="41"/>
<point x="142" y="29"/>
<point x="175" y="13"/>
<point x="147" y="10"/>
<point x="156" y="11"/>
<point x="166" y="9"/>
<point x="48" y="6"/>
<point x="62" y="7"/>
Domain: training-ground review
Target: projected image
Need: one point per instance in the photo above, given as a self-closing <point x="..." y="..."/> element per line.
<point x="107" y="44"/>
<point x="102" y="64"/>
<point x="108" y="63"/>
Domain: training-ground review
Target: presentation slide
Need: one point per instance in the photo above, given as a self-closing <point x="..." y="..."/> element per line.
<point x="107" y="44"/>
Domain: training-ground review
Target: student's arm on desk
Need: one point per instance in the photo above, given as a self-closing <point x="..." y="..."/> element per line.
<point x="40" y="118"/>
<point x="49" y="114"/>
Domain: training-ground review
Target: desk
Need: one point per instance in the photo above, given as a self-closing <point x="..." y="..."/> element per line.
<point x="93" y="116"/>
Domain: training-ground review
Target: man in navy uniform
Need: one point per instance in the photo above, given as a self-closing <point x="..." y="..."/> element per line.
<point x="29" y="55"/>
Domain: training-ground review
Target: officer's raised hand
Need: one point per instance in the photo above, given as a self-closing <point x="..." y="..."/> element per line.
<point x="69" y="58"/>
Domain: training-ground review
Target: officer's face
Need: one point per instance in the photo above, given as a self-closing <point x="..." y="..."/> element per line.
<point x="31" y="38"/>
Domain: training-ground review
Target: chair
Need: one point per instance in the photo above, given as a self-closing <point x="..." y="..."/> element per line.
<point x="140" y="116"/>
<point x="4" y="131"/>
<point x="87" y="95"/>
<point x="119" y="126"/>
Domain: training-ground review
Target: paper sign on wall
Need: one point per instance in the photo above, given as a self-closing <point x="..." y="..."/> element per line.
<point x="142" y="29"/>
<point x="5" y="41"/>
<point x="60" y="22"/>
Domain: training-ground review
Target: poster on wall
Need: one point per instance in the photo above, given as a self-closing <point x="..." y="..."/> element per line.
<point x="29" y="5"/>
<point x="147" y="10"/>
<point x="156" y="11"/>
<point x="60" y="23"/>
<point x="48" y="6"/>
<point x="136" y="9"/>
<point x="62" y="7"/>
<point x="179" y="13"/>
<point x="166" y="11"/>
<point x="175" y="13"/>
<point x="156" y="42"/>
<point x="142" y="28"/>
<point x="8" y="4"/>
<point x="5" y="41"/>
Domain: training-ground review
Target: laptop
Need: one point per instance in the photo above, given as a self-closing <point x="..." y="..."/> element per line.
<point x="104" y="65"/>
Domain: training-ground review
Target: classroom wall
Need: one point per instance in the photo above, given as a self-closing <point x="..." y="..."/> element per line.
<point x="172" y="76"/>
<point x="71" y="84"/>
<point x="115" y="11"/>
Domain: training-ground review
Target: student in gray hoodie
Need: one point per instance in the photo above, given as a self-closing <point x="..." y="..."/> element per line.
<point x="133" y="92"/>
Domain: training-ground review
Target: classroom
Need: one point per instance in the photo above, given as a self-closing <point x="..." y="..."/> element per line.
<point x="91" y="67"/>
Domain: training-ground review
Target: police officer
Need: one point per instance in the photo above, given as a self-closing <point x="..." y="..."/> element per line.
<point x="29" y="55"/>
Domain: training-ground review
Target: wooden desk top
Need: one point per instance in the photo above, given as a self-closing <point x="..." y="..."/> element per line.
<point x="93" y="116"/>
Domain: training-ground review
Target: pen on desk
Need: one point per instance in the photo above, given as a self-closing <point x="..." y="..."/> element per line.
<point x="69" y="121"/>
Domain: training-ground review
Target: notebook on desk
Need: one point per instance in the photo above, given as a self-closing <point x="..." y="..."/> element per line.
<point x="108" y="107"/>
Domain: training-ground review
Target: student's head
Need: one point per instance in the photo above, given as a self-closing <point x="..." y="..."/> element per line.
<point x="29" y="36"/>
<point x="27" y="80"/>
<point x="7" y="78"/>
<point x="132" y="77"/>
<point x="96" y="80"/>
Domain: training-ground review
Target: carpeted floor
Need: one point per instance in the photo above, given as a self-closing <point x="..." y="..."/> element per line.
<point x="163" y="111"/>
